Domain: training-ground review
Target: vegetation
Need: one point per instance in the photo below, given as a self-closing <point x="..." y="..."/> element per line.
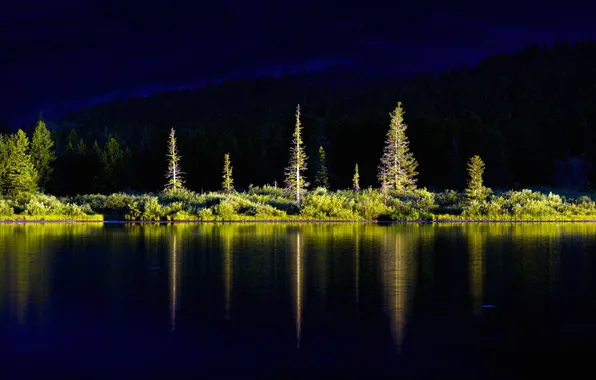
<point x="356" y="179"/>
<point x="227" y="185"/>
<point x="20" y="175"/>
<point x="476" y="189"/>
<point x="174" y="174"/>
<point x="322" y="177"/>
<point x="114" y="148"/>
<point x="295" y="180"/>
<point x="397" y="169"/>
<point x="42" y="153"/>
<point x="274" y="204"/>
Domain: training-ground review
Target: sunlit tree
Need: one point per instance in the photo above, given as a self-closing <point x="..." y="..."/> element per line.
<point x="397" y="169"/>
<point x="227" y="184"/>
<point x="476" y="189"/>
<point x="42" y="153"/>
<point x="322" y="177"/>
<point x="174" y="175"/>
<point x="356" y="179"/>
<point x="295" y="180"/>
<point x="21" y="175"/>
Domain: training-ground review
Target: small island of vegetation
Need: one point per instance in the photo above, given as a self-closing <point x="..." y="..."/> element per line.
<point x="26" y="167"/>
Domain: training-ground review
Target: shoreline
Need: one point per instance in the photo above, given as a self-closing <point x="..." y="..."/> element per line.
<point x="322" y="221"/>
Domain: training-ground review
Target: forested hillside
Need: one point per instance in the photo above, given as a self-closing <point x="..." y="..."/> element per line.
<point x="529" y="115"/>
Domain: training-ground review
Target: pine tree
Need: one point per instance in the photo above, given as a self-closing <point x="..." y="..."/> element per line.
<point x="228" y="182"/>
<point x="81" y="148"/>
<point x="356" y="179"/>
<point x="21" y="176"/>
<point x="295" y="180"/>
<point x="397" y="169"/>
<point x="42" y="153"/>
<point x="111" y="160"/>
<point x="4" y="154"/>
<point x="322" y="178"/>
<point x="174" y="174"/>
<point x="71" y="141"/>
<point x="476" y="189"/>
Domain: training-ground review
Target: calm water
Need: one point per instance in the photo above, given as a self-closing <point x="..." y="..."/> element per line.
<point x="296" y="301"/>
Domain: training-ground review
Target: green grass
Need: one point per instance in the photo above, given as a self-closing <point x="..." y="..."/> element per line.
<point x="273" y="204"/>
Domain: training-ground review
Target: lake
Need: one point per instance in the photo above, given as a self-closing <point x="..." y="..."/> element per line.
<point x="296" y="300"/>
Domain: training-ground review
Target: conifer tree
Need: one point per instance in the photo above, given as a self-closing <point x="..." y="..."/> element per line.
<point x="397" y="169"/>
<point x="111" y="160"/>
<point x="21" y="175"/>
<point x="71" y="141"/>
<point x="228" y="182"/>
<point x="295" y="180"/>
<point x="356" y="179"/>
<point x="174" y="174"/>
<point x="42" y="153"/>
<point x="4" y="154"/>
<point x="322" y="178"/>
<point x="476" y="189"/>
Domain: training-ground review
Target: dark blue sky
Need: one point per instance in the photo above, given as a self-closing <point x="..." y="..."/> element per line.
<point x="69" y="53"/>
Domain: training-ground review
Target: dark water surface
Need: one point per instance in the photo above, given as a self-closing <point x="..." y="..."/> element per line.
<point x="296" y="301"/>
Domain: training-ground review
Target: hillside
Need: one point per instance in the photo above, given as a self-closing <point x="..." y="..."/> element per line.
<point x="530" y="115"/>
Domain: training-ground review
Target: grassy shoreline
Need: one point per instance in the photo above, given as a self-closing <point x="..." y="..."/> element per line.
<point x="273" y="205"/>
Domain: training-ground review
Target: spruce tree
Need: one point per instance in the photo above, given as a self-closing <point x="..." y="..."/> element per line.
<point x="42" y="153"/>
<point x="356" y="179"/>
<point x="228" y="182"/>
<point x="295" y="180"/>
<point x="111" y="160"/>
<point x="397" y="169"/>
<point x="476" y="189"/>
<point x="21" y="176"/>
<point x="174" y="174"/>
<point x="4" y="154"/>
<point x="322" y="177"/>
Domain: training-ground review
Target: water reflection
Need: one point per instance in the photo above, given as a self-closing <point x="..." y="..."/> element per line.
<point x="297" y="276"/>
<point x="140" y="276"/>
<point x="228" y="271"/>
<point x="476" y="243"/>
<point x="399" y="276"/>
<point x="174" y="265"/>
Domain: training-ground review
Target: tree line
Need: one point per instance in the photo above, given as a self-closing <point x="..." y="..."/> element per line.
<point x="530" y="115"/>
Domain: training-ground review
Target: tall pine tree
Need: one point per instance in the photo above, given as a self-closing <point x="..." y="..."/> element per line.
<point x="21" y="176"/>
<point x="295" y="180"/>
<point x="397" y="169"/>
<point x="42" y="153"/>
<point x="173" y="174"/>
<point x="227" y="184"/>
<point x="322" y="177"/>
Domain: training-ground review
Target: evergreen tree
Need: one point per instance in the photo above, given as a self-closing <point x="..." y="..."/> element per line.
<point x="295" y="180"/>
<point x="111" y="160"/>
<point x="174" y="174"/>
<point x="81" y="148"/>
<point x="21" y="175"/>
<point x="228" y="182"/>
<point x="71" y="141"/>
<point x="322" y="178"/>
<point x="97" y="150"/>
<point x="397" y="169"/>
<point x="356" y="179"/>
<point x="476" y="189"/>
<point x="42" y="153"/>
<point x="4" y="154"/>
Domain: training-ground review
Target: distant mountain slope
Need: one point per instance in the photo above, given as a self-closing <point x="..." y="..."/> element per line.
<point x="525" y="113"/>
